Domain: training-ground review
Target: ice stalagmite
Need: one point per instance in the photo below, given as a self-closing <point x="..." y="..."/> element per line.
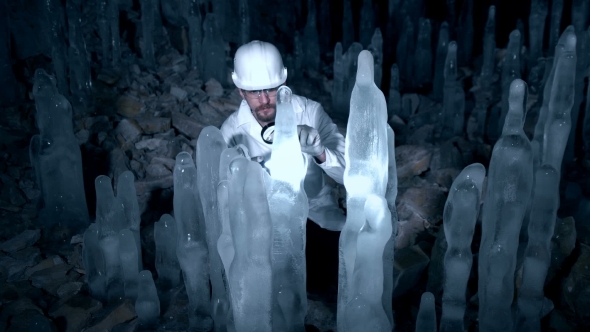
<point x="80" y="79"/>
<point x="364" y="311"/>
<point x="366" y="169"/>
<point x="338" y="83"/>
<point x="288" y="210"/>
<point x="344" y="80"/>
<point x="225" y="245"/>
<point x="376" y="49"/>
<point x="394" y="103"/>
<point x="298" y="55"/>
<point x="539" y="10"/>
<point x="508" y="191"/>
<point x="311" y="40"/>
<point x="213" y="49"/>
<point x="537" y="255"/>
<point x="147" y="305"/>
<point x="465" y="33"/>
<point x="110" y="218"/>
<point x="147" y="29"/>
<point x="210" y="145"/>
<point x="126" y="194"/>
<point x="566" y="43"/>
<point x="250" y="274"/>
<point x="129" y="268"/>
<point x="54" y="19"/>
<point x="489" y="50"/>
<point x="555" y="23"/>
<point x="442" y="49"/>
<point x="165" y="239"/>
<point x="426" y="319"/>
<point x="423" y="55"/>
<point x="191" y="248"/>
<point x="347" y="25"/>
<point x="57" y="158"/>
<point x="388" y="254"/>
<point x="558" y="123"/>
<point x="325" y="25"/>
<point x="244" y="14"/>
<point x="104" y="31"/>
<point x="406" y="46"/>
<point x="7" y="79"/>
<point x="94" y="263"/>
<point x="510" y="72"/>
<point x="113" y="19"/>
<point x="582" y="69"/>
<point x="459" y="218"/>
<point x="367" y="22"/>
<point x="195" y="33"/>
<point x="454" y="97"/>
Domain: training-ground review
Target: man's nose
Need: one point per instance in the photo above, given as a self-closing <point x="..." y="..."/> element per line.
<point x="264" y="99"/>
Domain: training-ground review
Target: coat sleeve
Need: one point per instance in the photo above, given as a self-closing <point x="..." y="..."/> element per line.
<point x="333" y="142"/>
<point x="228" y="130"/>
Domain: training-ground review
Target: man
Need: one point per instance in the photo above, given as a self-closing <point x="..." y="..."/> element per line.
<point x="258" y="73"/>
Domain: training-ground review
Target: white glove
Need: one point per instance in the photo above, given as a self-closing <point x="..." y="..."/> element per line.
<point x="310" y="140"/>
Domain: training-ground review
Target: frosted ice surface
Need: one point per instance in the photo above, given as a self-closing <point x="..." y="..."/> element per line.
<point x="147" y="305"/>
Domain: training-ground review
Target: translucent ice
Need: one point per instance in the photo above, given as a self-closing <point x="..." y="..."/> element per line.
<point x="423" y="55"/>
<point x="367" y="22"/>
<point x="104" y="32"/>
<point x="426" y="319"/>
<point x="406" y="46"/>
<point x="558" y="123"/>
<point x="147" y="305"/>
<point x="539" y="10"/>
<point x="250" y="274"/>
<point x="390" y="196"/>
<point x="442" y="49"/>
<point x="110" y="217"/>
<point x="465" y="33"/>
<point x="555" y="24"/>
<point x="210" y="145"/>
<point x="80" y="79"/>
<point x="459" y="218"/>
<point x="244" y="14"/>
<point x="489" y="50"/>
<point x="113" y="19"/>
<point x="126" y="194"/>
<point x="376" y="49"/>
<point x="195" y="33"/>
<point x="537" y="255"/>
<point x="129" y="268"/>
<point x="365" y="309"/>
<point x="288" y="210"/>
<point x="213" y="49"/>
<point x="566" y="43"/>
<point x="395" y="99"/>
<point x="94" y="264"/>
<point x="508" y="191"/>
<point x="366" y="172"/>
<point x="58" y="158"/>
<point x="311" y="39"/>
<point x="454" y="97"/>
<point x="147" y="29"/>
<point x="510" y="71"/>
<point x="191" y="248"/>
<point x="347" y="25"/>
<point x="165" y="239"/>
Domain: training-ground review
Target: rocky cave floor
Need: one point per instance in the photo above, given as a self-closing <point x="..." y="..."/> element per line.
<point x="143" y="118"/>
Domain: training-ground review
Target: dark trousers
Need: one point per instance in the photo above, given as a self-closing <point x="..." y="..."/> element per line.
<point x="321" y="254"/>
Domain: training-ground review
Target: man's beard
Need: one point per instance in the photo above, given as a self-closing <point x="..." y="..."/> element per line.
<point x="265" y="115"/>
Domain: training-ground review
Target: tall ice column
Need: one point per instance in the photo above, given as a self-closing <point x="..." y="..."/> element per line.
<point x="508" y="191"/>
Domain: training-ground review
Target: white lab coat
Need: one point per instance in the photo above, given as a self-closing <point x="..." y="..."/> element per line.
<point x="242" y="128"/>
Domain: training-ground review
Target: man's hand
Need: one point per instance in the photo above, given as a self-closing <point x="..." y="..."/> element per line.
<point x="311" y="143"/>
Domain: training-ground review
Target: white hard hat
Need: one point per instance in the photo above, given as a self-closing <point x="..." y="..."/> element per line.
<point x="258" y="65"/>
